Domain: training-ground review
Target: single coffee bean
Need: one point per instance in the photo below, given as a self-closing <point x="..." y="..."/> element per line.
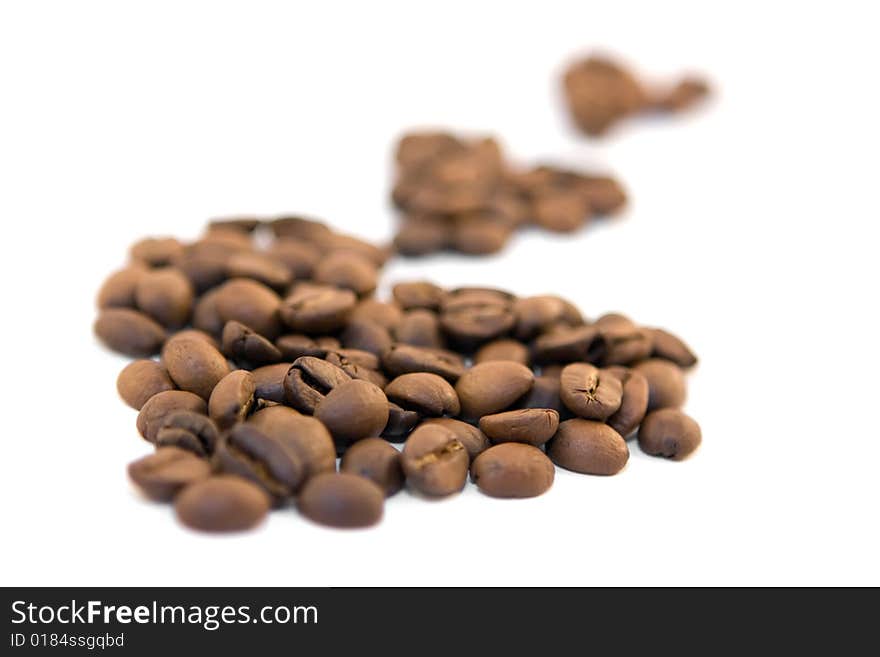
<point x="222" y="503"/>
<point x="634" y="401"/>
<point x="472" y="316"/>
<point x="687" y="92"/>
<point x="599" y="93"/>
<point x="269" y="382"/>
<point x="118" y="290"/>
<point x="434" y="461"/>
<point x="561" y="211"/>
<point x="625" y="342"/>
<point x="300" y="228"/>
<point x="580" y="343"/>
<point x="588" y="447"/>
<point x="308" y="436"/>
<point x="348" y="271"/>
<point x="260" y="267"/>
<point x="504" y="349"/>
<point x="140" y="380"/>
<point x="232" y="399"/>
<point x="274" y="465"/>
<point x="351" y="246"/>
<point x="129" y="332"/>
<point x="420" y="328"/>
<point x="194" y="364"/>
<point x="203" y="264"/>
<point x="293" y="346"/>
<point x="317" y="309"/>
<point x="187" y="430"/>
<point x="544" y="394"/>
<point x="367" y="336"/>
<point x="376" y="460"/>
<point x="400" y="423"/>
<point x="420" y="235"/>
<point x="589" y="392"/>
<point x="353" y="410"/>
<point x="156" y="251"/>
<point x="341" y="500"/>
<point x="308" y="380"/>
<point x="513" y="470"/>
<point x="406" y="359"/>
<point x="666" y="384"/>
<point x="253" y="304"/>
<point x="166" y="295"/>
<point x="418" y="294"/>
<point x="475" y="441"/>
<point x="670" y="433"/>
<point x="604" y="195"/>
<point x="384" y="313"/>
<point x="535" y="314"/>
<point x="671" y="347"/>
<point x="247" y="348"/>
<point x="427" y="394"/>
<point x="153" y="413"/>
<point x="492" y="387"/>
<point x="479" y="234"/>
<point x="162" y="474"/>
<point x="415" y="150"/>
<point x="300" y="258"/>
<point x="205" y="316"/>
<point x="358" y="365"/>
<point x="534" y="426"/>
<point x="234" y="241"/>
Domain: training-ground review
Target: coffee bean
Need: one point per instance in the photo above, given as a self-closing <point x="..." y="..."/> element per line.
<point x="479" y="234"/>
<point x="599" y="93"/>
<point x="420" y="235"/>
<point x="544" y="394"/>
<point x="666" y="384"/>
<point x="308" y="436"/>
<point x="119" y="288"/>
<point x="475" y="441"/>
<point x="308" y="380"/>
<point x="561" y="211"/>
<point x="400" y="423"/>
<point x="140" y="380"/>
<point x="670" y="433"/>
<point x="232" y="398"/>
<point x="156" y="251"/>
<point x="242" y="224"/>
<point x="129" y="332"/>
<point x="376" y="460"/>
<point x="418" y="294"/>
<point x="317" y="309"/>
<point x="405" y="359"/>
<point x="427" y="394"/>
<point x="588" y="447"/>
<point x="367" y="336"/>
<point x="260" y="267"/>
<point x="434" y="461"/>
<point x="513" y="470"/>
<point x="341" y="500"/>
<point x="188" y="430"/>
<point x="418" y="149"/>
<point x="504" y="349"/>
<point x="247" y="348"/>
<point x="353" y="410"/>
<point x="300" y="228"/>
<point x="589" y="392"/>
<point x="604" y="195"/>
<point x="166" y="295"/>
<point x="358" y="365"/>
<point x="293" y="346"/>
<point x="534" y="426"/>
<point x="194" y="364"/>
<point x="222" y="503"/>
<point x="534" y="315"/>
<point x="634" y="401"/>
<point x="687" y="92"/>
<point x="205" y="316"/>
<point x="348" y="271"/>
<point x="471" y="317"/>
<point x="492" y="387"/>
<point x="153" y="413"/>
<point x="671" y="347"/>
<point x="251" y="303"/>
<point x="299" y="258"/>
<point x="349" y="245"/>
<point x="567" y="345"/>
<point x="162" y="474"/>
<point x="420" y="328"/>
<point x="269" y="382"/>
<point x="383" y="313"/>
<point x="625" y="342"/>
<point x="233" y="241"/>
<point x="274" y="465"/>
<point x="203" y="264"/>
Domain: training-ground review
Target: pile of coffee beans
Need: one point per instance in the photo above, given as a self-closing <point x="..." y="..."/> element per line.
<point x="263" y="356"/>
<point x="600" y="92"/>
<point x="462" y="195"/>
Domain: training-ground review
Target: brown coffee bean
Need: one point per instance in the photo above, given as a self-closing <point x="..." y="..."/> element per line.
<point x="187" y="430"/>
<point x="418" y="294"/>
<point x="353" y="410"/>
<point x="400" y="423"/>
<point x="405" y="359"/>
<point x="166" y="295"/>
<point x="251" y="303"/>
<point x="129" y="332"/>
<point x="358" y="365"/>
<point x="634" y="401"/>
<point x="274" y="465"/>
<point x="479" y="234"/>
<point x="504" y="349"/>
<point x="669" y="433"/>
<point x="589" y="392"/>
<point x="260" y="267"/>
<point x="534" y="315"/>
<point x="242" y="224"/>
<point x="232" y="399"/>
<point x="376" y="460"/>
<point x="308" y="380"/>
<point x="203" y="264"/>
<point x="580" y="343"/>
<point x="317" y="309"/>
<point x="604" y="195"/>
<point x="427" y="394"/>
<point x="140" y="380"/>
<point x="299" y="228"/>
<point x="247" y="348"/>
<point x="386" y="314"/>
<point x="300" y="258"/>
<point x="367" y="336"/>
<point x="471" y="317"/>
<point x="687" y="92"/>
<point x="168" y="470"/>
<point x="588" y="447"/>
<point x="269" y="382"/>
<point x="420" y="328"/>
<point x="625" y="342"/>
<point x="349" y="245"/>
<point x="475" y="441"/>
<point x="415" y="150"/>
<point x="293" y="346"/>
<point x="194" y="364"/>
<point x="420" y="235"/>
<point x="544" y="394"/>
<point x="671" y="347"/>
<point x="118" y="289"/>
<point x="599" y="93"/>
<point x="492" y="387"/>
<point x="561" y="211"/>
<point x="233" y="241"/>
<point x="156" y="251"/>
<point x="153" y="413"/>
<point x="348" y="271"/>
<point x="306" y="435"/>
<point x="513" y="470"/>
<point x="534" y="426"/>
<point x="341" y="500"/>
<point x="205" y="316"/>
<point x="222" y="503"/>
<point x="434" y="461"/>
<point x="666" y="384"/>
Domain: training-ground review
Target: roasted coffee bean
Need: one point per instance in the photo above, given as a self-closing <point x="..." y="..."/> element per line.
<point x="203" y="264"/>
<point x="405" y="359"/>
<point x="544" y="394"/>
<point x="300" y="258"/>
<point x="233" y="241"/>
<point x="589" y="447"/>
<point x="666" y="384"/>
<point x="671" y="347"/>
<point x="251" y="303"/>
<point x="415" y="150"/>
<point x="634" y="401"/>
<point x="400" y="423"/>
<point x="140" y="380"/>
<point x="504" y="349"/>
<point x="420" y="235"/>
<point x="205" y="316"/>
<point x="129" y="332"/>
<point x="687" y="92"/>
<point x="338" y="243"/>
<point x="274" y="465"/>
<point x="670" y="433"/>
<point x="358" y="365"/>
<point x="242" y="224"/>
<point x="353" y="410"/>
<point x="434" y="461"/>
<point x="599" y="93"/>
<point x="418" y="294"/>
<point x="492" y="387"/>
<point x="156" y="251"/>
<point x="187" y="430"/>
<point x="269" y="382"/>
<point x="386" y="314"/>
<point x="625" y="342"/>
<point x="425" y="393"/>
<point x="567" y="345"/>
<point x="561" y="211"/>
<point x="119" y="288"/>
<point x="293" y="346"/>
<point x="534" y="426"/>
<point x="317" y="309"/>
<point x="513" y="470"/>
<point x="604" y="195"/>
<point x="158" y="407"/>
<point x="471" y="317"/>
<point x="341" y="500"/>
<point x="347" y="270"/>
<point x="232" y="398"/>
<point x="376" y="460"/>
<point x="162" y="474"/>
<point x="420" y="328"/>
<point x="166" y="295"/>
<point x="475" y="441"/>
<point x="261" y="267"/>
<point x="308" y="380"/>
<point x="194" y="364"/>
<point x="367" y="336"/>
<point x="589" y="392"/>
<point x="534" y="315"/>
<point x="308" y="436"/>
<point x="247" y="348"/>
<point x="479" y="234"/>
<point x="222" y="503"/>
<point x="300" y="228"/>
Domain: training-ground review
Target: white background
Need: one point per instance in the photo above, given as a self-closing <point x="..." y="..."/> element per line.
<point x="752" y="232"/>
